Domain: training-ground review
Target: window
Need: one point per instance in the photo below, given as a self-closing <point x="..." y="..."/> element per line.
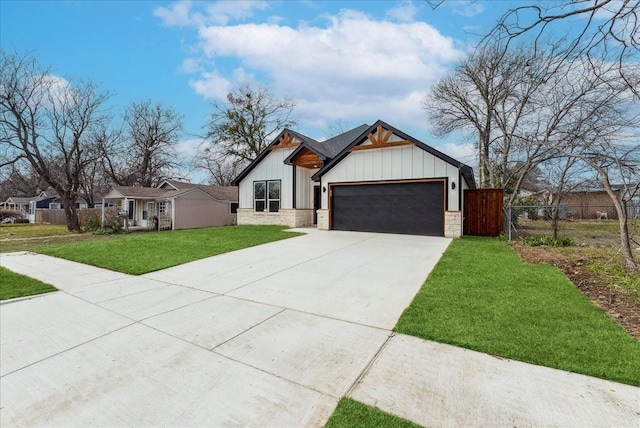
<point x="55" y="206"/>
<point x="259" y="195"/>
<point x="233" y="207"/>
<point x="266" y="195"/>
<point x="274" y="196"/>
<point x="162" y="208"/>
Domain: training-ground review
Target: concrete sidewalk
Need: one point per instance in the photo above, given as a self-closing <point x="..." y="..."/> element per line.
<point x="272" y="335"/>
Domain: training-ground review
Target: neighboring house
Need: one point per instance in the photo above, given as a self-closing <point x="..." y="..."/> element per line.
<point x="593" y="203"/>
<point x="45" y="200"/>
<point x="371" y="178"/>
<point x="175" y="205"/>
<point x="17" y="203"/>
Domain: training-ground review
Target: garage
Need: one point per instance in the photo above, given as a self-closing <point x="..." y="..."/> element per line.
<point x="407" y="207"/>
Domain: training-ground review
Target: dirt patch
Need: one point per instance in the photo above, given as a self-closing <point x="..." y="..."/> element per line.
<point x="621" y="304"/>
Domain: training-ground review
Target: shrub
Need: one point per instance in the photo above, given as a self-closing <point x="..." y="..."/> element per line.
<point x="545" y="240"/>
<point x="21" y="220"/>
<point x="93" y="223"/>
<point x="9" y="214"/>
<point x="112" y="224"/>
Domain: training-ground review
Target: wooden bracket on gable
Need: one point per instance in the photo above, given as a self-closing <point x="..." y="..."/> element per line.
<point x="380" y="140"/>
<point x="286" y="141"/>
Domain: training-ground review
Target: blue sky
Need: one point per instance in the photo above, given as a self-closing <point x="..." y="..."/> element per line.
<point x="348" y="61"/>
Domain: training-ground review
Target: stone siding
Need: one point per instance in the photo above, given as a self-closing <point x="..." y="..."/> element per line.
<point x="285" y="217"/>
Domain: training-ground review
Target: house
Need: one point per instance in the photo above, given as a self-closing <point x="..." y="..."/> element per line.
<point x="593" y="202"/>
<point x="175" y="205"/>
<point x="370" y="178"/>
<point x="17" y="203"/>
<point x="45" y="200"/>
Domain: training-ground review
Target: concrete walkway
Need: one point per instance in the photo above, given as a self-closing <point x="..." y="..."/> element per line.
<point x="272" y="335"/>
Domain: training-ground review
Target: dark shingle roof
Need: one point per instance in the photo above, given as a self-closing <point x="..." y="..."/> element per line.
<point x="336" y="144"/>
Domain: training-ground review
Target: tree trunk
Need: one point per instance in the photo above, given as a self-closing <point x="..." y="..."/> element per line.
<point x="625" y="242"/>
<point x="71" y="215"/>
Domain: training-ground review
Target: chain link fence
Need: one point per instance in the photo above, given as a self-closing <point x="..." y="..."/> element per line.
<point x="584" y="224"/>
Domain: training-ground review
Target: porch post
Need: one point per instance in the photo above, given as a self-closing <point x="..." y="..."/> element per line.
<point x="102" y="215"/>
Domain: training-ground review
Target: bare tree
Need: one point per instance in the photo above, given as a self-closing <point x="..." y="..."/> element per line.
<point x="603" y="30"/>
<point x="221" y="169"/>
<point x="492" y="95"/>
<point x="240" y="129"/>
<point x="19" y="179"/>
<point x="47" y="121"/>
<point x="145" y="150"/>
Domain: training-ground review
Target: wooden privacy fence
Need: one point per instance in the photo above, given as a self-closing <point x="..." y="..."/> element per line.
<point x="483" y="212"/>
<point x="58" y="217"/>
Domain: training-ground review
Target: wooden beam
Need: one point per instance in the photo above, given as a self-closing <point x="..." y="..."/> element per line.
<point x="381" y="146"/>
<point x="286" y="141"/>
<point x="380" y="141"/>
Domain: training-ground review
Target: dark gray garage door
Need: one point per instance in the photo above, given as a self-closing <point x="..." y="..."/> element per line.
<point x="415" y="208"/>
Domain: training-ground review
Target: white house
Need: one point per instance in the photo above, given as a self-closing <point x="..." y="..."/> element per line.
<point x="371" y="178"/>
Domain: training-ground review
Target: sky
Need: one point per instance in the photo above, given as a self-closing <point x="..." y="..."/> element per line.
<point x="342" y="62"/>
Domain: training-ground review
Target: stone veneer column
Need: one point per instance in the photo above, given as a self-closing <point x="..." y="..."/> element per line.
<point x="452" y="224"/>
<point x="323" y="219"/>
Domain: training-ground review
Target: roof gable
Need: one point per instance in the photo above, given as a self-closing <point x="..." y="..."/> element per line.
<point x="383" y="135"/>
<point x="286" y="139"/>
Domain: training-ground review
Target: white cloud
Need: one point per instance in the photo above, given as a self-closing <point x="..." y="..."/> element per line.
<point x="355" y="65"/>
<point x="224" y="11"/>
<point x="465" y="152"/>
<point x="181" y="14"/>
<point x="466" y="8"/>
<point x="211" y="85"/>
<point x="406" y="12"/>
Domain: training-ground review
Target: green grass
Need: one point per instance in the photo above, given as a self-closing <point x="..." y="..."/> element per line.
<point x="352" y="414"/>
<point x="481" y="296"/>
<point x="139" y="253"/>
<point x="14" y="285"/>
<point x="25" y="230"/>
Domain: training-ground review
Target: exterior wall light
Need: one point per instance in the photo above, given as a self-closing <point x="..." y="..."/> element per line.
<point x="453" y="185"/>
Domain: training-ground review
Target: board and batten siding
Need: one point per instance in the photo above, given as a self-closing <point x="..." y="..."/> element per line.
<point x="394" y="163"/>
<point x="272" y="167"/>
<point x="304" y="188"/>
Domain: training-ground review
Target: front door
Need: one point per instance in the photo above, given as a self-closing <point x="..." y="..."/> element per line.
<point x="131" y="208"/>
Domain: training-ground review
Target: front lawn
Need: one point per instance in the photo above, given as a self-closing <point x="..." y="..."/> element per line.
<point x="143" y="252"/>
<point x="27" y="230"/>
<point x="481" y="296"/>
<point x="14" y="285"/>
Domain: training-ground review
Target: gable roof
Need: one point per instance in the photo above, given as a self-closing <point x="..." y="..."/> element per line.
<point x="465" y="170"/>
<point x="267" y="150"/>
<point x="324" y="149"/>
<point x="336" y="148"/>
<point x="329" y="148"/>
<point x="117" y="192"/>
<point x="223" y="193"/>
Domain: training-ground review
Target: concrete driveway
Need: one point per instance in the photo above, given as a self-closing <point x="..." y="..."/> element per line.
<point x="270" y="335"/>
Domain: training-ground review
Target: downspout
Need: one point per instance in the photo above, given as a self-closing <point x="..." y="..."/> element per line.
<point x="102" y="215"/>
